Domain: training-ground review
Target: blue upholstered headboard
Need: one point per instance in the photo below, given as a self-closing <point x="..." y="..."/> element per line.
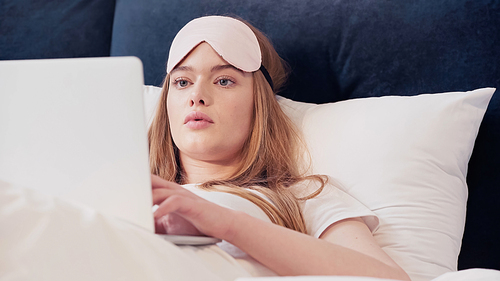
<point x="336" y="49"/>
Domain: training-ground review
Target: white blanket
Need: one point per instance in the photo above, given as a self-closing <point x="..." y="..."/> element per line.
<point x="45" y="238"/>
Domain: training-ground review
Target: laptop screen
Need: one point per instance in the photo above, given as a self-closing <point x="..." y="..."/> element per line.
<point x="76" y="129"/>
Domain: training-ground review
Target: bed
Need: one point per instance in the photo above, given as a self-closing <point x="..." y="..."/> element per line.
<point x="397" y="101"/>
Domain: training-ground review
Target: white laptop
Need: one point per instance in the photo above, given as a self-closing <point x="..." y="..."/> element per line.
<point x="75" y="128"/>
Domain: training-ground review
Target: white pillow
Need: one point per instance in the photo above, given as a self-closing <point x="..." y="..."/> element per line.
<point x="406" y="159"/>
<point x="151" y="96"/>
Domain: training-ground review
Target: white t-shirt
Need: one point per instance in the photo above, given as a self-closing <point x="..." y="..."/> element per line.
<point x="330" y="206"/>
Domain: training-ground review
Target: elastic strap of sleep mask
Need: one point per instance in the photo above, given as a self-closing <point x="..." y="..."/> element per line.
<point x="268" y="77"/>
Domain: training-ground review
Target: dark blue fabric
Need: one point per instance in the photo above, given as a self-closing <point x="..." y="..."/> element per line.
<point x="339" y="49"/>
<point x="33" y="29"/>
<point x="351" y="49"/>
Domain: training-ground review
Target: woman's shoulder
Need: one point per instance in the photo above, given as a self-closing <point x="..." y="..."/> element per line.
<point x="332" y="204"/>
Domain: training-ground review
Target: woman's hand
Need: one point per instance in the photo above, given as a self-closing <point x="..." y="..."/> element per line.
<point x="175" y="225"/>
<point x="182" y="212"/>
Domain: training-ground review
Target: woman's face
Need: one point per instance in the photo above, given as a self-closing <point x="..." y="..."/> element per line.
<point x="210" y="107"/>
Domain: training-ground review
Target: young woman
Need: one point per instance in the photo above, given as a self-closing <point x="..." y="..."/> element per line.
<point x="220" y="130"/>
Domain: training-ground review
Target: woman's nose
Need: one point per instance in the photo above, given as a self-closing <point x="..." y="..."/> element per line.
<point x="200" y="96"/>
<point x="197" y="101"/>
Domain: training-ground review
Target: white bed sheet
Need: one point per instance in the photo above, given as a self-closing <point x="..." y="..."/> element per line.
<point x="45" y="238"/>
<point x="475" y="274"/>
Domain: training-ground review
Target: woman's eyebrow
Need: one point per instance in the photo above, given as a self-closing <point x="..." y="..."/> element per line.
<point x="224" y="66"/>
<point x="182" y="68"/>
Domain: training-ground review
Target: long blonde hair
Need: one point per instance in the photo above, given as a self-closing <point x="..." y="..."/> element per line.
<point x="270" y="155"/>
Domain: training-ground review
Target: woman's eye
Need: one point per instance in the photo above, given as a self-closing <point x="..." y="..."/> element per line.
<point x="181" y="83"/>
<point x="225" y="82"/>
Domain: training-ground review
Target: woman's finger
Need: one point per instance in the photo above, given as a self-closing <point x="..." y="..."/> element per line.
<point x="160" y="194"/>
<point x="171" y="204"/>
<point x="157" y="182"/>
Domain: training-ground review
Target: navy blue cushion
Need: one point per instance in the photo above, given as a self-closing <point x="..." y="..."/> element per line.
<point x="32" y="29"/>
<point x="351" y="49"/>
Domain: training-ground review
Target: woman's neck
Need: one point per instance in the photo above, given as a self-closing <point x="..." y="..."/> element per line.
<point x="199" y="171"/>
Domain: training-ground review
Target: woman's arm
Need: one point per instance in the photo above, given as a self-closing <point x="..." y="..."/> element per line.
<point x="345" y="248"/>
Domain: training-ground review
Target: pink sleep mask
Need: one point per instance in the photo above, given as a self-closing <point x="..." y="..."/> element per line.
<point x="233" y="40"/>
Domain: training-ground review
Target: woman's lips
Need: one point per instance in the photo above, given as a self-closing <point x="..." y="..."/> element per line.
<point x="197" y="120"/>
